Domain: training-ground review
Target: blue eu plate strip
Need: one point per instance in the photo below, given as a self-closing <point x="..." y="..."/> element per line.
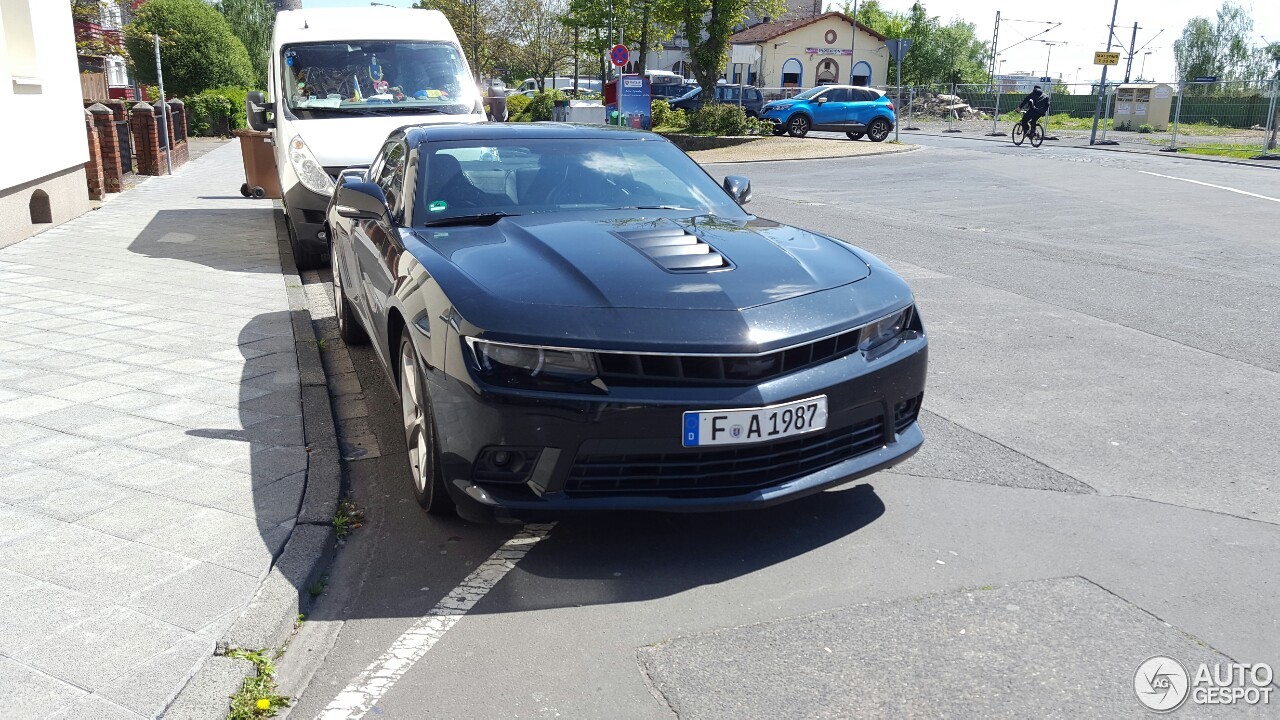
<point x="690" y="429"/>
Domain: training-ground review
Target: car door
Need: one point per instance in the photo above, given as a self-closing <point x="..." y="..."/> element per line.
<point x="831" y="109"/>
<point x="863" y="108"/>
<point x="375" y="242"/>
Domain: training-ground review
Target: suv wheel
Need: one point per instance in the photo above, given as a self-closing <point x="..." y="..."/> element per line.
<point x="798" y="126"/>
<point x="879" y="130"/>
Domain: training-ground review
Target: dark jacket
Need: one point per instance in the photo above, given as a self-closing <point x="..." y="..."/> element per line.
<point x="1036" y="101"/>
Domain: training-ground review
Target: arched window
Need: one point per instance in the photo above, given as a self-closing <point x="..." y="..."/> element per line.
<point x="792" y="73"/>
<point x="861" y="74"/>
<point x="41" y="213"/>
<point x="828" y="72"/>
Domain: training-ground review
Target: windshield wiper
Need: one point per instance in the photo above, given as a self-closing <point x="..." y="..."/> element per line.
<point x="478" y="219"/>
<point x="653" y="207"/>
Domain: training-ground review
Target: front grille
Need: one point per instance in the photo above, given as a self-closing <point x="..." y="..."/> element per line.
<point x="906" y="412"/>
<point x="724" y="471"/>
<point x="635" y="369"/>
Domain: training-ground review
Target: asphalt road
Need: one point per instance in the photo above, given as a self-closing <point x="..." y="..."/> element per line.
<point x="1098" y="483"/>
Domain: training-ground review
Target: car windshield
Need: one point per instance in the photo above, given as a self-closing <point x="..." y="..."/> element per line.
<point x="524" y="176"/>
<point x="374" y="77"/>
<point x="810" y="93"/>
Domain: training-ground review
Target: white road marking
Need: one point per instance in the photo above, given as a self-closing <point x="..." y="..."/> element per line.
<point x="370" y="685"/>
<point x="1220" y="187"/>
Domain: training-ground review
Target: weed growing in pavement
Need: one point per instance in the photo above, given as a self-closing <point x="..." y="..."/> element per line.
<point x="348" y="517"/>
<point x="317" y="587"/>
<point x="257" y="696"/>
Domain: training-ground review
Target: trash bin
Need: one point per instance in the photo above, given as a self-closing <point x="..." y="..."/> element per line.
<point x="259" y="154"/>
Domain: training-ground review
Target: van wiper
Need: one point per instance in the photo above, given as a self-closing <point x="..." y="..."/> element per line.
<point x="488" y="218"/>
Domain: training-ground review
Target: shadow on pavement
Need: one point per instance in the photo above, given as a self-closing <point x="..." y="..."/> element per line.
<point x="181" y="234"/>
<point x="621" y="558"/>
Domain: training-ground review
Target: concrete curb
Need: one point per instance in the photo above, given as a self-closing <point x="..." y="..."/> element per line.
<point x="269" y="618"/>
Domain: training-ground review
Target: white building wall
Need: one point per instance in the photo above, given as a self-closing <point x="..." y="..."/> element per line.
<point x="42" y="131"/>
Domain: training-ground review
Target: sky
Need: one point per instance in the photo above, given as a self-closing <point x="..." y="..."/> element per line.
<point x="1083" y="30"/>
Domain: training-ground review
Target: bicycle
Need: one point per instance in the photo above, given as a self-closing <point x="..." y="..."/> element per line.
<point x="1036" y="135"/>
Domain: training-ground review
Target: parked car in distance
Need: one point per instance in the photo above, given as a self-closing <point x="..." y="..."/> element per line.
<point x="669" y="91"/>
<point x="749" y="97"/>
<point x="854" y="111"/>
<point x="579" y="318"/>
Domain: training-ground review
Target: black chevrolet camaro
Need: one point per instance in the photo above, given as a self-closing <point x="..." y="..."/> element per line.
<point x="581" y="318"/>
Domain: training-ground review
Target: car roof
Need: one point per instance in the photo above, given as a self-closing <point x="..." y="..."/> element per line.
<point x="461" y="132"/>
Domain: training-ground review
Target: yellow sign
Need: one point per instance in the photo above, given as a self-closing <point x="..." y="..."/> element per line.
<point x="1106" y="58"/>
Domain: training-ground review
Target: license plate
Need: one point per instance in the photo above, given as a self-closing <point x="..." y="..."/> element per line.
<point x="753" y="425"/>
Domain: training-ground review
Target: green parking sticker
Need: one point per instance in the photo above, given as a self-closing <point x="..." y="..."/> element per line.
<point x="437" y="206"/>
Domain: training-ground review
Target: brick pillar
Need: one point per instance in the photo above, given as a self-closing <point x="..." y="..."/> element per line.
<point x="178" y="131"/>
<point x="93" y="168"/>
<point x="109" y="142"/>
<point x="146" y="140"/>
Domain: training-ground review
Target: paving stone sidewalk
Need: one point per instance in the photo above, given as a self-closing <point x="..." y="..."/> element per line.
<point x="151" y="442"/>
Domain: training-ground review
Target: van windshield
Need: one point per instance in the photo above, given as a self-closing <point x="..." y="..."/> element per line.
<point x="372" y="77"/>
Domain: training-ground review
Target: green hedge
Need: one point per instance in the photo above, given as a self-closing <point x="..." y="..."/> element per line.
<point x="516" y="105"/>
<point x="726" y="119"/>
<point x="216" y="112"/>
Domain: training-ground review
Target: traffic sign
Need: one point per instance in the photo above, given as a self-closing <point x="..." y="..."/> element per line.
<point x="1046" y="79"/>
<point x="898" y="48"/>
<point x="1106" y="58"/>
<point x="1206" y="79"/>
<point x="619" y="55"/>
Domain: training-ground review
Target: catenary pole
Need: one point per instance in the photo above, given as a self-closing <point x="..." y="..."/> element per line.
<point x="1102" y="85"/>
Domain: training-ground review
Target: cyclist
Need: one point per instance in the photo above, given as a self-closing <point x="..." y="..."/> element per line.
<point x="1035" y="106"/>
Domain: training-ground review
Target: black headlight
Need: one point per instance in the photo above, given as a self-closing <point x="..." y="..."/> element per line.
<point x="883" y="331"/>
<point x="533" y="366"/>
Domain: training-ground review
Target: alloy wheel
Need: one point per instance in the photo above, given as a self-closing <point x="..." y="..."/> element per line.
<point x="798" y="126"/>
<point x="878" y="131"/>
<point x="412" y="404"/>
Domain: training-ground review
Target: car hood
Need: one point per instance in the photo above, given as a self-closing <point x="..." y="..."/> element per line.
<point x="609" y="262"/>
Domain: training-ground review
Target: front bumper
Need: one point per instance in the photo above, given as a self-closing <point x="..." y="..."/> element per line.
<point x="642" y="425"/>
<point x="306" y="211"/>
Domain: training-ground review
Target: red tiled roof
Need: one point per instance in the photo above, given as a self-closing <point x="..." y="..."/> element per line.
<point x="769" y="31"/>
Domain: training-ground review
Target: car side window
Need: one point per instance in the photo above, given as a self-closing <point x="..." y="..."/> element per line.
<point x="753" y="95"/>
<point x="390" y="176"/>
<point x="838" y="95"/>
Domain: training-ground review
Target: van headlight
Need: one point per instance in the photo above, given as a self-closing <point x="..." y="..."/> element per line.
<point x="308" y="169"/>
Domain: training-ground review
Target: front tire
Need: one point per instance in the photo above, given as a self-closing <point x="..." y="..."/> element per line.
<point x="798" y="126"/>
<point x="349" y="328"/>
<point x="878" y="131"/>
<point x="854" y="135"/>
<point x="1018" y="133"/>
<point x="423" y="453"/>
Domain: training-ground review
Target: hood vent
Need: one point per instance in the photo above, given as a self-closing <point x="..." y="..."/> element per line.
<point x="675" y="250"/>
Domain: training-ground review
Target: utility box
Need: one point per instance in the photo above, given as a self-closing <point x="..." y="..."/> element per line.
<point x="1140" y="104"/>
<point x="587" y="112"/>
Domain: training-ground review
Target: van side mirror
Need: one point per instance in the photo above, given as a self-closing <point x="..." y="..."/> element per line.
<point x="360" y="201"/>
<point x="739" y="188"/>
<point x="255" y="107"/>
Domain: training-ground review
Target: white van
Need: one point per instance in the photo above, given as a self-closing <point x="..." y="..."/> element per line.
<point x="338" y="82"/>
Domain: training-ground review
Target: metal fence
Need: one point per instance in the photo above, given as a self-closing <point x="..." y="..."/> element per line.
<point x="1236" y="119"/>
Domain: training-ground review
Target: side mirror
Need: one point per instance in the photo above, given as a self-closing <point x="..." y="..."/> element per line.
<point x="360" y="201"/>
<point x="255" y="106"/>
<point x="822" y="99"/>
<point x="739" y="188"/>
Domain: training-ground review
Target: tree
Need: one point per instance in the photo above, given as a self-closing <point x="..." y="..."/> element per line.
<point x="197" y="47"/>
<point x="252" y="21"/>
<point x="1220" y="47"/>
<point x="543" y="44"/>
<point x="706" y="26"/>
<point x="950" y="53"/>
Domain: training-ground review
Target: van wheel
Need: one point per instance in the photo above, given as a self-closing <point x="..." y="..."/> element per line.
<point x="304" y="259"/>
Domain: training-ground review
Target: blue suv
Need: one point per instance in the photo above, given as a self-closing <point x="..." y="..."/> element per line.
<point x="855" y="111"/>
